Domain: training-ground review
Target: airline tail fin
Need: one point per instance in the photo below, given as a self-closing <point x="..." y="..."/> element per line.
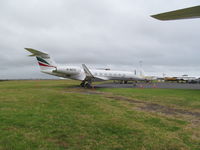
<point x="44" y="60"/>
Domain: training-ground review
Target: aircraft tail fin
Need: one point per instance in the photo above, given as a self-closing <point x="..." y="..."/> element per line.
<point x="44" y="60"/>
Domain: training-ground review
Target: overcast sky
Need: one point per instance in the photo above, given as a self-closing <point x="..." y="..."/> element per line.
<point x="107" y="33"/>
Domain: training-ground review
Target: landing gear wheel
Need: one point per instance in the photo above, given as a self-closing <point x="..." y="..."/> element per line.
<point x="87" y="85"/>
<point x="82" y="84"/>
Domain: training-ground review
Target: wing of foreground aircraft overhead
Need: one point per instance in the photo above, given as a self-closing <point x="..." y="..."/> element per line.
<point x="187" y="13"/>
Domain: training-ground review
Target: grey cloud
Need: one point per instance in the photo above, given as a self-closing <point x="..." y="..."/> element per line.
<point x="111" y="33"/>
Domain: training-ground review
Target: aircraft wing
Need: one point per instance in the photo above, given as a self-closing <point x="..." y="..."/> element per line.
<point x="89" y="75"/>
<point x="87" y="71"/>
<point x="187" y="13"/>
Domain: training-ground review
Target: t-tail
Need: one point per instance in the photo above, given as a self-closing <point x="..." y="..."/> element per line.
<point x="44" y="60"/>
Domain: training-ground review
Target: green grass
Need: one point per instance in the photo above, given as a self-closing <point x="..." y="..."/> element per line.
<point x="53" y="115"/>
<point x="184" y="98"/>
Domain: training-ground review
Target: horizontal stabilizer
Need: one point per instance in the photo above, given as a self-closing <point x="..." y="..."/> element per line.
<point x="187" y="13"/>
<point x="36" y="52"/>
<point x="32" y="55"/>
<point x="44" y="60"/>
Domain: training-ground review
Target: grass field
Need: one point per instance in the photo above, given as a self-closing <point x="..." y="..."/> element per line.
<point x="56" y="115"/>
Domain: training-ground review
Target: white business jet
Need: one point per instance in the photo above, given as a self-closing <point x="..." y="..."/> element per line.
<point x="84" y="74"/>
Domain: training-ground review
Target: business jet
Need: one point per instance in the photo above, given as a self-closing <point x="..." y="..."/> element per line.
<point x="84" y="74"/>
<point x="186" y="13"/>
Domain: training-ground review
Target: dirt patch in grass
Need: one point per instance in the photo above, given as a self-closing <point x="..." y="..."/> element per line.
<point x="190" y="116"/>
<point x="85" y="92"/>
<point x="121" y="98"/>
<point x="168" y="110"/>
<point x="146" y="106"/>
<point x="79" y="90"/>
<point x="142" y="105"/>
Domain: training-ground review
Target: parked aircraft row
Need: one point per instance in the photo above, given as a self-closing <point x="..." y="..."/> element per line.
<point x="87" y="76"/>
<point x="84" y="74"/>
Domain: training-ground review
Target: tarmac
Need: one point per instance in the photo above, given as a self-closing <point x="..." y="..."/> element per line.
<point x="163" y="85"/>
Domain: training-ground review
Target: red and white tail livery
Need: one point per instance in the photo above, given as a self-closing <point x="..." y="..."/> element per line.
<point x="43" y="59"/>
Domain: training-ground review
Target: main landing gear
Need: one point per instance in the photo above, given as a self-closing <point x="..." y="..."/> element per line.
<point x="82" y="84"/>
<point x="86" y="84"/>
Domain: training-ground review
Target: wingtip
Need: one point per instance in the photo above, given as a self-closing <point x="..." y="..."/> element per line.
<point x="157" y="17"/>
<point x="185" y="13"/>
<point x="153" y="16"/>
<point x="28" y="49"/>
